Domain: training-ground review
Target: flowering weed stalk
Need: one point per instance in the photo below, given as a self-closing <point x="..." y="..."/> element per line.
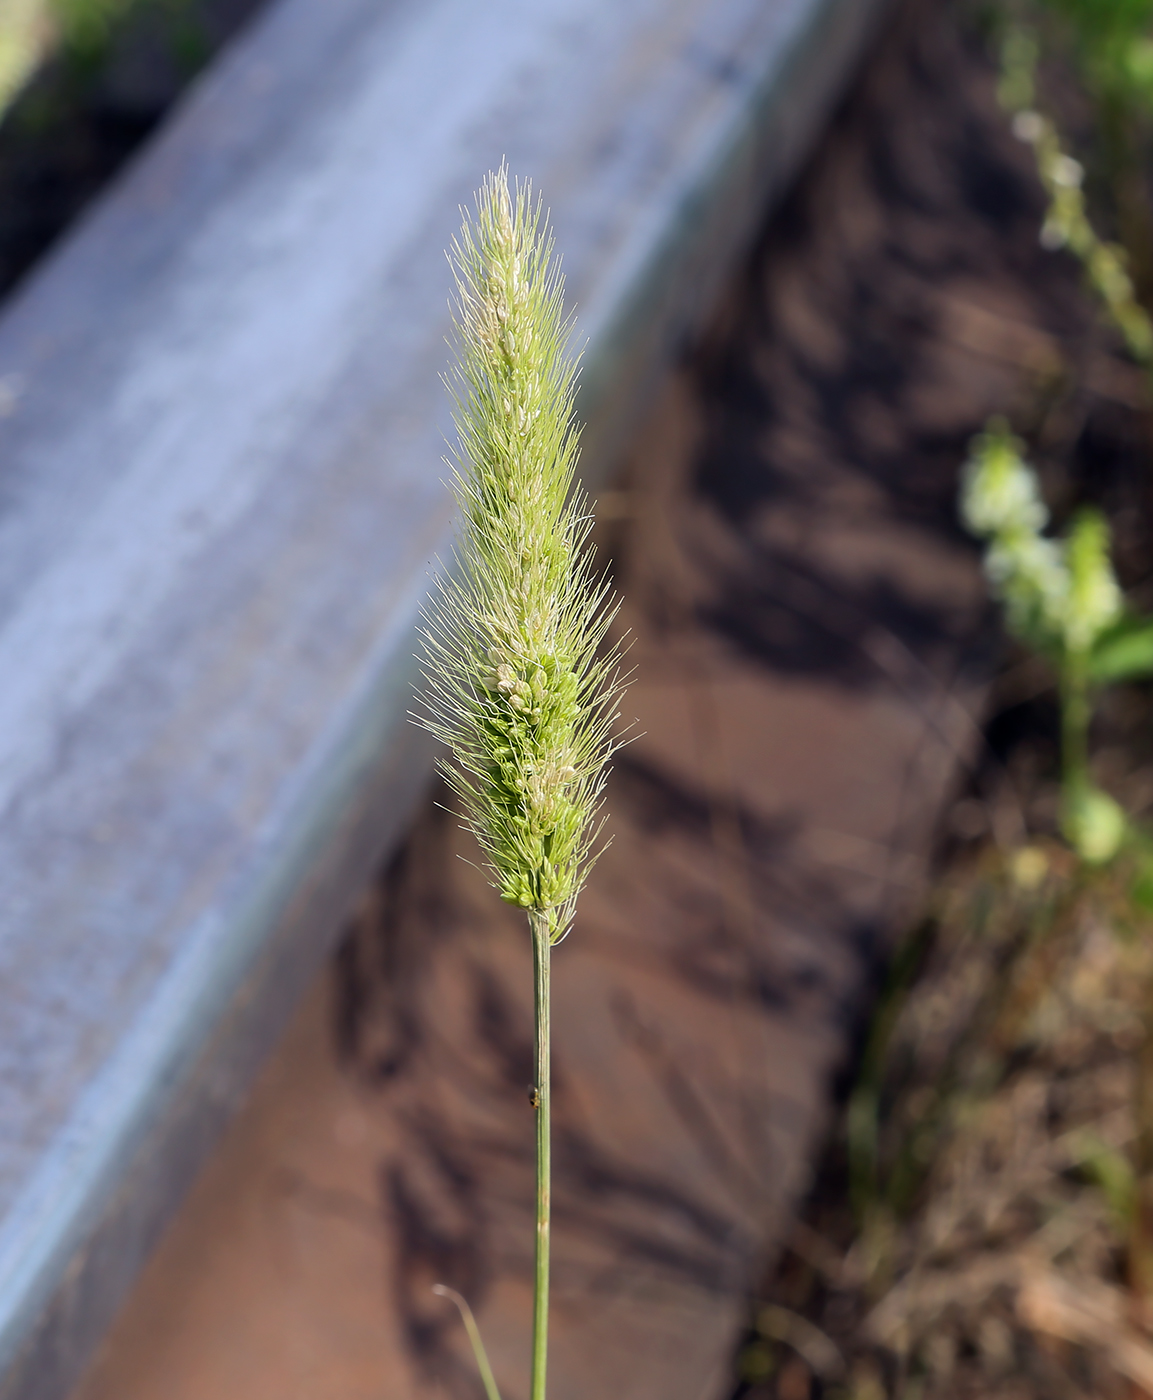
<point x="516" y="685"/>
<point x="1067" y="223"/>
<point x="1062" y="600"/>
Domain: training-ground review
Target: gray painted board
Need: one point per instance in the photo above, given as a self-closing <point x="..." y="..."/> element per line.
<point x="220" y="497"/>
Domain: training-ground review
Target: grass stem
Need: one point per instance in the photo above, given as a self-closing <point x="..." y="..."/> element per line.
<point x="518" y="688"/>
<point x="488" y="1380"/>
<point x="542" y="958"/>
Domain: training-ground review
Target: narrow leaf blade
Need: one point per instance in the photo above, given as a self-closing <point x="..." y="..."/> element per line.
<point x="1124" y="652"/>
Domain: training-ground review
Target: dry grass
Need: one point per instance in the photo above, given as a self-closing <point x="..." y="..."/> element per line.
<point x="994" y="1149"/>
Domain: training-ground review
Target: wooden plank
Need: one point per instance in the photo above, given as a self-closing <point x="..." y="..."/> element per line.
<point x="221" y="496"/>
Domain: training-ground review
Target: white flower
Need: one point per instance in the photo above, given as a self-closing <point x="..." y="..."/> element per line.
<point x="1028" y="126"/>
<point x="998" y="491"/>
<point x="1067" y="172"/>
<point x="1028" y="572"/>
<point x="1095" y="600"/>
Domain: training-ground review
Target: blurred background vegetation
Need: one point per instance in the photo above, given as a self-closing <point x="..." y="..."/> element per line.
<point x="982" y="1222"/>
<point x="82" y="83"/>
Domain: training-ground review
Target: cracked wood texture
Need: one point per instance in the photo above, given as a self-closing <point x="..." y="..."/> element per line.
<point x="810" y="636"/>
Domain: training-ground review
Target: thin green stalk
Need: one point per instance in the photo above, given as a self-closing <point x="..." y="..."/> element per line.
<point x="1067" y="223"/>
<point x="542" y="1098"/>
<point x="517" y="686"/>
<point x="1075" y="712"/>
<point x="488" y="1380"/>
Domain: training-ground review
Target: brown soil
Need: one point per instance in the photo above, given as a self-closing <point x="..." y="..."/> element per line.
<point x="979" y="1224"/>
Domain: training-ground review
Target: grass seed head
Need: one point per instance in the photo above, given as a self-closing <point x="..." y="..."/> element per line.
<point x="516" y="686"/>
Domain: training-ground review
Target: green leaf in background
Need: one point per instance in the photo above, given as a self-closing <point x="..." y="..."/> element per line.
<point x="1112" y="1171"/>
<point x="1139" y="68"/>
<point x="1141" y="890"/>
<point x="1111" y="40"/>
<point x="1124" y="652"/>
<point x="34" y="31"/>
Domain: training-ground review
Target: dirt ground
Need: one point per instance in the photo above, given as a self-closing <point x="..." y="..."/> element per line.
<point x="812" y="644"/>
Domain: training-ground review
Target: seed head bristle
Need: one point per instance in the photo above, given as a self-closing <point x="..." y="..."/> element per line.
<point x="516" y="685"/>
